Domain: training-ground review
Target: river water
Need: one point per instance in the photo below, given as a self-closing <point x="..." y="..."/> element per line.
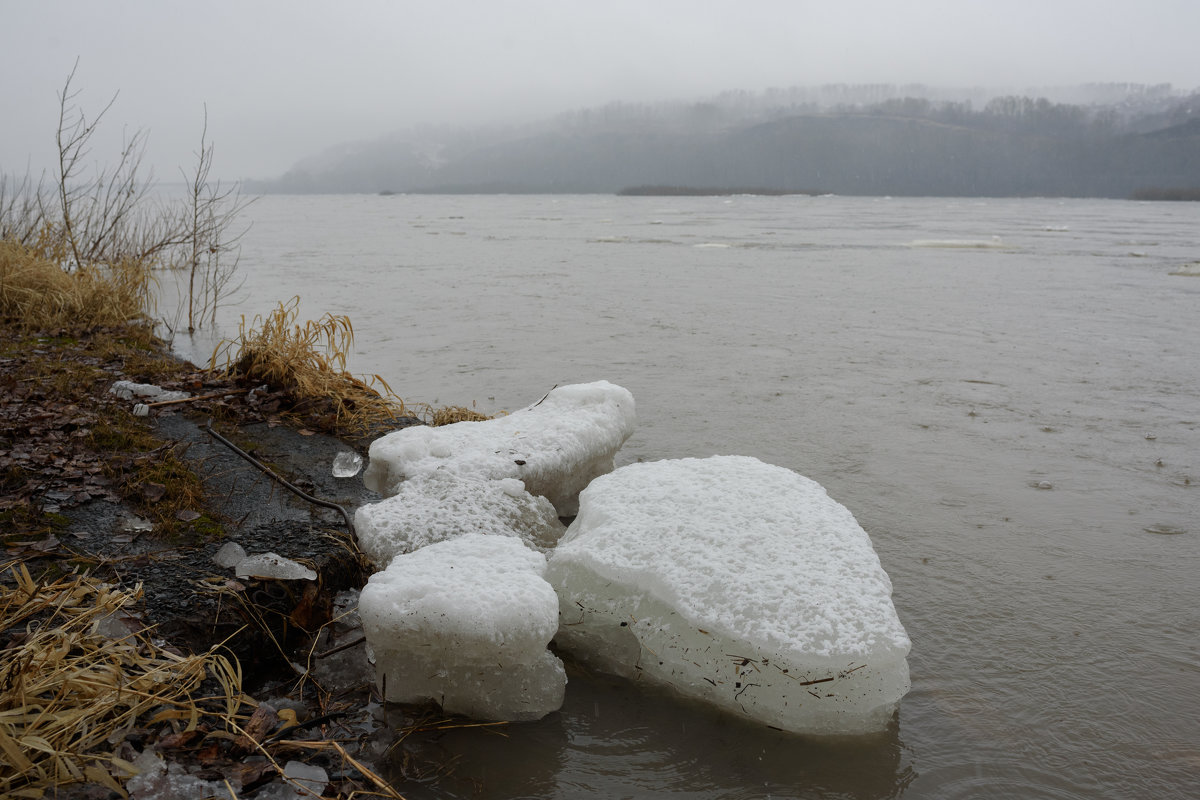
<point x="1006" y="393"/>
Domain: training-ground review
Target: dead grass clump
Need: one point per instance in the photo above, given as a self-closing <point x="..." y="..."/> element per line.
<point x="309" y="362"/>
<point x="38" y="293"/>
<point x="448" y="415"/>
<point x="69" y="690"/>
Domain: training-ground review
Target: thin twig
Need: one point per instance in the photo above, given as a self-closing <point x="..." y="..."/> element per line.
<point x="212" y="396"/>
<point x="290" y="487"/>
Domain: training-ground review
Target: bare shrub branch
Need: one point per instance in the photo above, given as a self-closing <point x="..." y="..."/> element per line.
<point x="102" y="220"/>
<point x="211" y="247"/>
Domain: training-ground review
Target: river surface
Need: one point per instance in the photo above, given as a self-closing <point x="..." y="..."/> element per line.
<point x="1006" y="394"/>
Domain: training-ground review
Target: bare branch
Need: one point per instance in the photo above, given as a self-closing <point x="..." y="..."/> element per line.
<point x="211" y="248"/>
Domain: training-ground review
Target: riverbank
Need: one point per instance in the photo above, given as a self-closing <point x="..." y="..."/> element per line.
<point x="98" y="502"/>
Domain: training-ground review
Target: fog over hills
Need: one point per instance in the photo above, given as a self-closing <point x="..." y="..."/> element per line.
<point x="1104" y="140"/>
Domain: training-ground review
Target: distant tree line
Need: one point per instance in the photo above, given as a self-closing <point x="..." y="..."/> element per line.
<point x="1140" y="141"/>
<point x="700" y="191"/>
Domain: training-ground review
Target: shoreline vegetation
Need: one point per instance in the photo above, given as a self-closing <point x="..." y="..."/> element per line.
<point x="101" y="501"/>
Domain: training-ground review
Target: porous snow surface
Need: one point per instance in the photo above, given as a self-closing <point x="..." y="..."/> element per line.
<point x="736" y="582"/>
<point x="465" y="622"/>
<point x="555" y="446"/>
<point x="441" y="505"/>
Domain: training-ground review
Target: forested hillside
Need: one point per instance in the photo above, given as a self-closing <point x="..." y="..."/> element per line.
<point x="1111" y="141"/>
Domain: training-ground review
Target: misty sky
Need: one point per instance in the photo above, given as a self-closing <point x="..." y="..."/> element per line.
<point x="284" y="80"/>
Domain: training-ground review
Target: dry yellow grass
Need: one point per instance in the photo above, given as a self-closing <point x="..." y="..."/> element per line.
<point x="68" y="691"/>
<point x="309" y="361"/>
<point x="448" y="415"/>
<point x="38" y="293"/>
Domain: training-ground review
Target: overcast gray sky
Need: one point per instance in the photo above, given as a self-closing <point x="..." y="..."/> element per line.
<point x="284" y="79"/>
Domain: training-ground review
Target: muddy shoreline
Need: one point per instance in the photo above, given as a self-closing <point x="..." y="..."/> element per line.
<point x="76" y="503"/>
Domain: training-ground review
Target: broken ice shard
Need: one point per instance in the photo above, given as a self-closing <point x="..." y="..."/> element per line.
<point x="736" y="582"/>
<point x="273" y="566"/>
<point x="346" y="464"/>
<point x="229" y="555"/>
<point x="127" y="390"/>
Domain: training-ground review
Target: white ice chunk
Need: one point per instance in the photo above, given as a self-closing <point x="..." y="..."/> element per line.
<point x="465" y="622"/>
<point x="230" y="555"/>
<point x="274" y="566"/>
<point x="441" y="505"/>
<point x="347" y="464"/>
<point x="736" y="582"/>
<point x="134" y="524"/>
<point x="127" y="390"/>
<point x="555" y="446"/>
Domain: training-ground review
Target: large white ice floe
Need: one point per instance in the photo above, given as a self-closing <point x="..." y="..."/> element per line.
<point x="736" y="582"/>
<point x="465" y="622"/>
<point x="555" y="446"/>
<point x="437" y="506"/>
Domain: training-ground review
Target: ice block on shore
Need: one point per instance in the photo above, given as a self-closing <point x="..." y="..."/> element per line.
<point x="738" y="583"/>
<point x="465" y="622"/>
<point x="555" y="446"/>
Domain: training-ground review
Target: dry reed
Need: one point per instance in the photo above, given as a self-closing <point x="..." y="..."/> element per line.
<point x="448" y="415"/>
<point x="38" y="293"/>
<point x="309" y="361"/>
<point x="69" y="692"/>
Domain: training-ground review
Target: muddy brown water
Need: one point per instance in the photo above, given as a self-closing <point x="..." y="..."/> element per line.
<point x="1006" y="393"/>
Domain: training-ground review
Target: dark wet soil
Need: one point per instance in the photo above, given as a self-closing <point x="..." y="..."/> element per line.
<point x="192" y="601"/>
<point x="89" y="485"/>
<point x="85" y="489"/>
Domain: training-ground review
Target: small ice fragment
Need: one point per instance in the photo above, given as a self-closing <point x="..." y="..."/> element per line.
<point x="346" y="464"/>
<point x="112" y="625"/>
<point x="230" y="555"/>
<point x="151" y="768"/>
<point x="122" y="390"/>
<point x="137" y="525"/>
<point x="309" y="776"/>
<point x="1045" y="485"/>
<point x="127" y="390"/>
<point x="275" y="566"/>
<point x="141" y="410"/>
<point x="156" y="779"/>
